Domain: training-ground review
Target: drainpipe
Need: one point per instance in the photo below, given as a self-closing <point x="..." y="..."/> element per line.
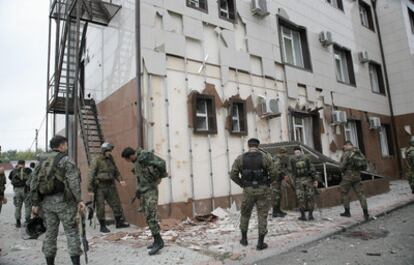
<point x="394" y="128"/>
<point x="140" y="137"/>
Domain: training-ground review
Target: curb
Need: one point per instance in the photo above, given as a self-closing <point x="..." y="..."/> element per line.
<point x="322" y="235"/>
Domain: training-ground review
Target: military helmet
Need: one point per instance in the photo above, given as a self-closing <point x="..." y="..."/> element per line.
<point x="35" y="227"/>
<point x="106" y="147"/>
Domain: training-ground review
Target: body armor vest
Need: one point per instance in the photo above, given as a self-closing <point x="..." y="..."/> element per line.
<point x="253" y="171"/>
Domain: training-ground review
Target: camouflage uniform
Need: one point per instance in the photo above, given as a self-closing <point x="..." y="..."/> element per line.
<point x="61" y="207"/>
<point x="148" y="190"/>
<point x="351" y="178"/>
<point x="2" y="188"/>
<point x="19" y="178"/>
<point x="256" y="190"/>
<point x="283" y="160"/>
<point x="409" y="156"/>
<point x="102" y="175"/>
<point x="304" y="175"/>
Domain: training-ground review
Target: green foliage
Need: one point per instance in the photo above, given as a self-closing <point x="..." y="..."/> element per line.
<point x="13" y="155"/>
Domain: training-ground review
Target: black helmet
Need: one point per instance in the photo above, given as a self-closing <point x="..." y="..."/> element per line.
<point x="35" y="227"/>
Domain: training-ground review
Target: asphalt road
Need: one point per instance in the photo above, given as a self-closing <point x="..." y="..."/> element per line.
<point x="388" y="240"/>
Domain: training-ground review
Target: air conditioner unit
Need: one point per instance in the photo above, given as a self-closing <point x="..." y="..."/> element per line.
<point x="325" y="37"/>
<point x="363" y="57"/>
<point x="267" y="108"/>
<point x="374" y="123"/>
<point x="339" y="117"/>
<point x="259" y="8"/>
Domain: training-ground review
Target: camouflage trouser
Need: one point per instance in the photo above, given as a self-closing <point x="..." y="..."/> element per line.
<point x="1" y="202"/>
<point x="20" y="197"/>
<point x="57" y="210"/>
<point x="305" y="193"/>
<point x="276" y="193"/>
<point x="149" y="204"/>
<point x="108" y="193"/>
<point x="251" y="197"/>
<point x="411" y="179"/>
<point x="352" y="182"/>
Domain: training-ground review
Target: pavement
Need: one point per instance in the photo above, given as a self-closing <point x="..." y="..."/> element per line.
<point x="210" y="242"/>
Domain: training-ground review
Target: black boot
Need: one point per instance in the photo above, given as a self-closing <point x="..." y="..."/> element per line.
<point x="119" y="223"/>
<point x="158" y="244"/>
<point x="260" y="243"/>
<point x="243" y="240"/>
<point x="18" y="224"/>
<point x="310" y="216"/>
<point x="75" y="260"/>
<point x="50" y="260"/>
<point x="302" y="215"/>
<point x="278" y="213"/>
<point x="346" y="213"/>
<point x="366" y="215"/>
<point x="103" y="229"/>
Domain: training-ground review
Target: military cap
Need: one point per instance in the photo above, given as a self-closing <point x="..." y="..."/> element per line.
<point x="253" y="141"/>
<point x="297" y="148"/>
<point x="348" y="142"/>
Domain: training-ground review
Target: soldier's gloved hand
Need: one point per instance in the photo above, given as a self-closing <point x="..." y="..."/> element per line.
<point x="123" y="183"/>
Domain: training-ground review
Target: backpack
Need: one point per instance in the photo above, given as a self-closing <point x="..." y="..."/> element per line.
<point x="157" y="164"/>
<point x="49" y="179"/>
<point x="358" y="161"/>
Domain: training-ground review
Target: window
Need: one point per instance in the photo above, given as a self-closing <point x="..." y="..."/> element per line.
<point x="351" y="133"/>
<point x="343" y="65"/>
<point x="227" y="9"/>
<point x="302" y="130"/>
<point x="238" y="117"/>
<point x="198" y="4"/>
<point x="387" y="149"/>
<point x="294" y="46"/>
<point x="375" y="76"/>
<point x="411" y="17"/>
<point x="336" y="3"/>
<point x="204" y="114"/>
<point x="366" y="15"/>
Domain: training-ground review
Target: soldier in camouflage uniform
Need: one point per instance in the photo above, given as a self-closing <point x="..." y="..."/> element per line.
<point x="147" y="191"/>
<point x="351" y="178"/>
<point x="62" y="203"/>
<point x="283" y="159"/>
<point x="409" y="156"/>
<point x="303" y="172"/>
<point x="2" y="187"/>
<point x="258" y="171"/>
<point x="19" y="177"/>
<point x="101" y="183"/>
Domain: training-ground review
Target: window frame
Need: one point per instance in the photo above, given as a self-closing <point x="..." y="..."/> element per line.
<point x="232" y="11"/>
<point x="210" y="115"/>
<point x="242" y="118"/>
<point x="378" y="71"/>
<point x="411" y="19"/>
<point x="365" y="9"/>
<point x="347" y="55"/>
<point x="351" y="127"/>
<point x="338" y="4"/>
<point x="205" y="10"/>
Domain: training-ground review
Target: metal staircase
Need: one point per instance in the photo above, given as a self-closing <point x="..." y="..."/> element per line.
<point x="66" y="84"/>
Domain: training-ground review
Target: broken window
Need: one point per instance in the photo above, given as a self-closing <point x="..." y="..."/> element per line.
<point x="204" y="114"/>
<point x="198" y="4"/>
<point x="343" y="65"/>
<point x="294" y="45"/>
<point x="303" y="130"/>
<point x="238" y="117"/>
<point x="227" y="9"/>
<point x="336" y="3"/>
<point x="375" y="76"/>
<point x="366" y="15"/>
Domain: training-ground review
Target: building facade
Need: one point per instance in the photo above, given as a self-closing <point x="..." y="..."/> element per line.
<point x="215" y="73"/>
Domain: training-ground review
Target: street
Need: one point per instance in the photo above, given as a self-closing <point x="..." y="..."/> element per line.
<point x="387" y="240"/>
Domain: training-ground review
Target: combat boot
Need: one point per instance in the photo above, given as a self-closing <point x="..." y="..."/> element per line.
<point x="310" y="216"/>
<point x="243" y="240"/>
<point x="158" y="244"/>
<point x="278" y="213"/>
<point x="302" y="215"/>
<point x="75" y="260"/>
<point x="366" y="215"/>
<point x="346" y="213"/>
<point x="50" y="260"/>
<point x="103" y="229"/>
<point x="18" y="224"/>
<point x="260" y="243"/>
<point x="119" y="223"/>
